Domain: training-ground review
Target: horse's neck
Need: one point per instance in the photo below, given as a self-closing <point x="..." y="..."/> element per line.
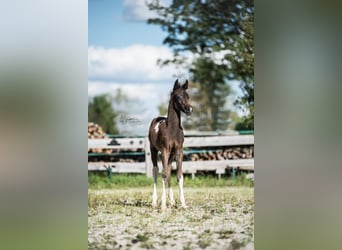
<point x="173" y="118"/>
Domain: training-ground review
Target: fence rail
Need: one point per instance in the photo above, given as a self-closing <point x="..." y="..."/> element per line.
<point x="190" y="167"/>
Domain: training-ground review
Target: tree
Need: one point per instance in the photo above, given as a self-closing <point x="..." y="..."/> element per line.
<point x="209" y="97"/>
<point x="162" y="108"/>
<point x="218" y="33"/>
<point x="100" y="111"/>
<point x="214" y="88"/>
<point x="243" y="64"/>
<point x="199" y="120"/>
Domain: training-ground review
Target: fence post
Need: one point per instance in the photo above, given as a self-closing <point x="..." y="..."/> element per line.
<point x="233" y="173"/>
<point x="110" y="172"/>
<point x="148" y="161"/>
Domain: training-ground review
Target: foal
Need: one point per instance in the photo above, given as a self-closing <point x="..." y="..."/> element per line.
<point x="166" y="135"/>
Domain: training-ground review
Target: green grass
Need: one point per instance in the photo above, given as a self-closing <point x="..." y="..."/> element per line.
<point x="101" y="180"/>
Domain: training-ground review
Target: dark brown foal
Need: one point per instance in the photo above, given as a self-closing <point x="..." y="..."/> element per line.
<point x="166" y="135"/>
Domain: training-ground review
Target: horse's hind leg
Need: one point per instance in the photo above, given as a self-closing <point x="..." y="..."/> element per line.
<point x="172" y="200"/>
<point x="165" y="177"/>
<point x="180" y="178"/>
<point x="154" y="154"/>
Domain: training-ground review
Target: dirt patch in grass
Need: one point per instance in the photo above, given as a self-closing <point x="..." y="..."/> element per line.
<point x="217" y="218"/>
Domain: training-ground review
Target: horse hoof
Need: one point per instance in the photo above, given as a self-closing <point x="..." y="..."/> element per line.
<point x="185" y="207"/>
<point x="163" y="209"/>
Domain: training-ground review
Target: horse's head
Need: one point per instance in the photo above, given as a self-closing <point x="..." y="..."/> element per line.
<point x="180" y="97"/>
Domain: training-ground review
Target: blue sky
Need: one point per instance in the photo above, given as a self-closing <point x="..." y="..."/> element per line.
<point x="111" y="24"/>
<point x="122" y="54"/>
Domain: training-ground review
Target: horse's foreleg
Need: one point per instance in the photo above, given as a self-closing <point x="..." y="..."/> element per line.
<point x="154" y="154"/>
<point x="180" y="178"/>
<point x="172" y="200"/>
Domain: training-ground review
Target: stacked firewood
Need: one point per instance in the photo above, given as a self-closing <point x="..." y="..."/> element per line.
<point x="118" y="156"/>
<point x="231" y="153"/>
<point x="100" y="150"/>
<point x="95" y="131"/>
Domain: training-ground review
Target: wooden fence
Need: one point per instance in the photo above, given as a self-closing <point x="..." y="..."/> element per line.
<point x="189" y="167"/>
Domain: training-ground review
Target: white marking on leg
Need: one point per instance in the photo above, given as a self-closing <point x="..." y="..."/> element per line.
<point x="154" y="196"/>
<point x="163" y="198"/>
<point x="181" y="192"/>
<point x="172" y="200"/>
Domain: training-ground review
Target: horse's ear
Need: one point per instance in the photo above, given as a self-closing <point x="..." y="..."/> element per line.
<point x="176" y="85"/>
<point x="185" y="85"/>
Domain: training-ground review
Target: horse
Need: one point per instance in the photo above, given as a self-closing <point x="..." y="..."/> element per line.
<point x="166" y="135"/>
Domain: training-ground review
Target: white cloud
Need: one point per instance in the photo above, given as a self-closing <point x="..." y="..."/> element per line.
<point x="145" y="99"/>
<point x="136" y="63"/>
<point x="145" y="92"/>
<point x="137" y="10"/>
<point x="134" y="70"/>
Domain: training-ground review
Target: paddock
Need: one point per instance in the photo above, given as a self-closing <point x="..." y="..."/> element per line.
<point x="217" y="218"/>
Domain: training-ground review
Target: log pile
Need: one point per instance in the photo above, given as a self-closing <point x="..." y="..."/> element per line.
<point x="118" y="156"/>
<point x="95" y="131"/>
<point x="227" y="153"/>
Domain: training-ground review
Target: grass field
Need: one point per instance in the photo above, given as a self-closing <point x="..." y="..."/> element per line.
<point x="219" y="217"/>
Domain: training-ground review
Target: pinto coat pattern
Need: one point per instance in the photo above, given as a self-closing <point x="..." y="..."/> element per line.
<point x="167" y="136"/>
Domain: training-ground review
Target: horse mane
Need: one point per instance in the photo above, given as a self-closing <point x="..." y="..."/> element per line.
<point x="160" y="118"/>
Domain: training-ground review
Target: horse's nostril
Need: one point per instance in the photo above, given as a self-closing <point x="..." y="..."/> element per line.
<point x="189" y="111"/>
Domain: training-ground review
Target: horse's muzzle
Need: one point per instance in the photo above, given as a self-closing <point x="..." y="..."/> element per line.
<point x="188" y="110"/>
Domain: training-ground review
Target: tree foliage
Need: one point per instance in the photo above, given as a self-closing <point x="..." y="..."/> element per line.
<point x="211" y="95"/>
<point x="162" y="108"/>
<point x="100" y="111"/>
<point x="219" y="35"/>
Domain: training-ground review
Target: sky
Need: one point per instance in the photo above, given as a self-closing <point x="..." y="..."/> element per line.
<point x="122" y="53"/>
